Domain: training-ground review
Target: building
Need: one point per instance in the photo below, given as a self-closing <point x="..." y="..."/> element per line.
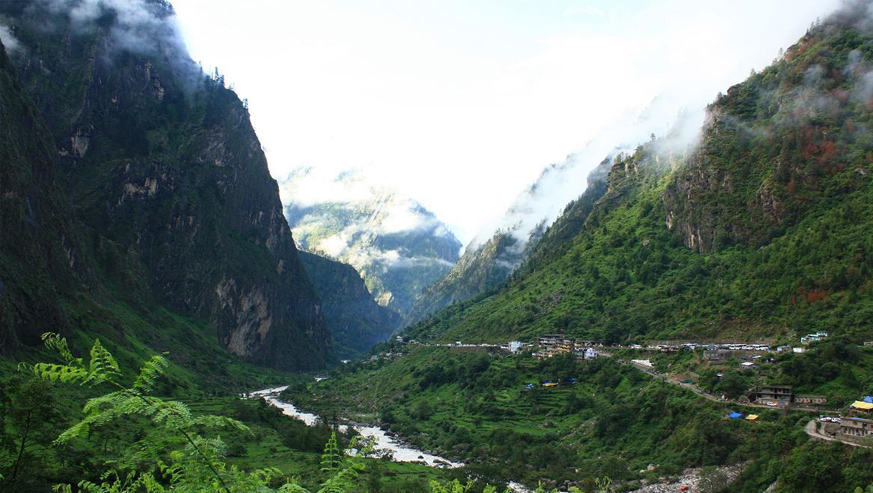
<point x="855" y="428"/>
<point x="868" y="344"/>
<point x="810" y="399"/>
<point x="773" y="393"/>
<point x="798" y="350"/>
<point x="813" y="337"/>
<point x="864" y="406"/>
<point x="552" y="344"/>
<point x="783" y="349"/>
<point x="713" y="355"/>
<point x="515" y="347"/>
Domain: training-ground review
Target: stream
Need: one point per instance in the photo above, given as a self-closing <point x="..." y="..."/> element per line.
<point x="383" y="443"/>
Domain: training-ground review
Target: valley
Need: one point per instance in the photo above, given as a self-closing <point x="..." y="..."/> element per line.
<point x="698" y="318"/>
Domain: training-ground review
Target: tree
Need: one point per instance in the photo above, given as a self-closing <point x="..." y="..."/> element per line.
<point x="31" y="410"/>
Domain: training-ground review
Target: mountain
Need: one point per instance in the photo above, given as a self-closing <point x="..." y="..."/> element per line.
<point x="41" y="253"/>
<point x="164" y="177"/>
<point x="757" y="231"/>
<point x="552" y="206"/>
<point x="490" y="264"/>
<point x="356" y="321"/>
<point x="398" y="246"/>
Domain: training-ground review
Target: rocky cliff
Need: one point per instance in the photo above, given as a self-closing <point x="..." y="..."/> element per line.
<point x="163" y="167"/>
<point x="356" y="321"/>
<point x="41" y="252"/>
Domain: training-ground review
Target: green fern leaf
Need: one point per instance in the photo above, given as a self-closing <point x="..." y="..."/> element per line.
<point x="103" y="367"/>
<point x="149" y="374"/>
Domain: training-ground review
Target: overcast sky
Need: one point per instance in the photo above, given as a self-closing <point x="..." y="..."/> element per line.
<point x="461" y="103"/>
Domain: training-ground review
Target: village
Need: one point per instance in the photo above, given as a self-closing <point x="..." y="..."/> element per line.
<point x="852" y="424"/>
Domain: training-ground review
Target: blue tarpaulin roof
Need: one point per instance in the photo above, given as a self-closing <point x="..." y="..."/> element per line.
<point x="735" y="415"/>
<point x="869" y="399"/>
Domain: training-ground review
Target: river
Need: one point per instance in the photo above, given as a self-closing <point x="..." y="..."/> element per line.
<point x="383" y="442"/>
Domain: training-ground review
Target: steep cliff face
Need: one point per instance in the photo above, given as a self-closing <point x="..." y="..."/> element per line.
<point x="41" y="253"/>
<point x="478" y="271"/>
<point x="356" y="321"/>
<point x="162" y="163"/>
<point x="776" y="145"/>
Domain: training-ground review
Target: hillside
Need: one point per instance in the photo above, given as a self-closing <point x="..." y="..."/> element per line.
<point x="490" y="264"/>
<point x="356" y="322"/>
<point x="42" y="256"/>
<point x="398" y="246"/>
<point x="757" y="232"/>
<point x="171" y="199"/>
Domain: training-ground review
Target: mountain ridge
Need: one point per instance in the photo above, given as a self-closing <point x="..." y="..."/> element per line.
<point x="677" y="245"/>
<point x="397" y="245"/>
<point x="163" y="167"/>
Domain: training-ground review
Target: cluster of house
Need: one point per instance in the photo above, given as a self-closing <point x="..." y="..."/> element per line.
<point x="553" y="344"/>
<point x="856" y="424"/>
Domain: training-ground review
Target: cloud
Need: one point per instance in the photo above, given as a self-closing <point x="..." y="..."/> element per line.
<point x="138" y="26"/>
<point x="584" y="10"/>
<point x="542" y="202"/>
<point x="352" y="193"/>
<point x="9" y="41"/>
<point x="460" y="109"/>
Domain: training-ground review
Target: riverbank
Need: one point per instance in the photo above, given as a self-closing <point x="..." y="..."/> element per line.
<point x="697" y="480"/>
<point x="384" y="442"/>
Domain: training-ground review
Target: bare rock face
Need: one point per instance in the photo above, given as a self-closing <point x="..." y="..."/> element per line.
<point x="162" y="163"/>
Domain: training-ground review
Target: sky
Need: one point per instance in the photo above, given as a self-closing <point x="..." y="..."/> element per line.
<point x="462" y="103"/>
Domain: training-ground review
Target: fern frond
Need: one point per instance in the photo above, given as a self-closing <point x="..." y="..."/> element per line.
<point x="60" y="373"/>
<point x="56" y="342"/>
<point x="102" y="367"/>
<point x="173" y="414"/>
<point x="292" y="488"/>
<point x="213" y="421"/>
<point x="150" y="373"/>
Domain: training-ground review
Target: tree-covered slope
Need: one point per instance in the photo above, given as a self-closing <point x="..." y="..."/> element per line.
<point x="41" y="254"/>
<point x="487" y="266"/>
<point x="162" y="167"/>
<point x="761" y="230"/>
<point x="356" y="321"/>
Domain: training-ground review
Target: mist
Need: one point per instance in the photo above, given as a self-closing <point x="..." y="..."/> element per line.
<point x="360" y="207"/>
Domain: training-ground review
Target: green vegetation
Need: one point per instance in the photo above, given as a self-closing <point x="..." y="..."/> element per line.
<point x="131" y="440"/>
<point x="397" y="266"/>
<point x="761" y="231"/>
<point x="612" y="421"/>
<point x="356" y="322"/>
